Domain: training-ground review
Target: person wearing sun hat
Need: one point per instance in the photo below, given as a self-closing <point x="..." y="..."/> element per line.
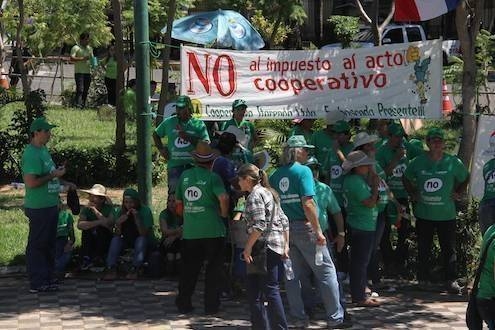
<point x="295" y="185"/>
<point x="95" y="222"/>
<point x="203" y="203"/>
<point x="42" y="179"/>
<point x="361" y="193"/>
<point x="183" y="131"/>
<point x="486" y="211"/>
<point x="341" y="147"/>
<point x="434" y="181"/>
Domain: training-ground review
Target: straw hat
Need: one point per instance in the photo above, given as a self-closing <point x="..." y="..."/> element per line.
<point x="363" y="138"/>
<point x="204" y="152"/>
<point x="355" y="159"/>
<point x="97" y="190"/>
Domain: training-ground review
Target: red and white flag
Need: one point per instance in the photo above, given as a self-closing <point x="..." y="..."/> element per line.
<point x="422" y="10"/>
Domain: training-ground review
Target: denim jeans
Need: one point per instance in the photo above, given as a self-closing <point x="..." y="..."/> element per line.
<point x="486" y="214"/>
<point x="446" y="232"/>
<point x="267" y="287"/>
<point x="116" y="248"/>
<point x="302" y="254"/>
<point x="40" y="249"/>
<point x="362" y="244"/>
<point x="61" y="258"/>
<point x="83" y="80"/>
<point x="341" y="276"/>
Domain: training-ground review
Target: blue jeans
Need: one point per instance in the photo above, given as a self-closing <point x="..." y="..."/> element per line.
<point x="40" y="249"/>
<point x="116" y="247"/>
<point x="486" y="214"/>
<point x="267" y="287"/>
<point x="362" y="244"/>
<point x="302" y="253"/>
<point x="61" y="258"/>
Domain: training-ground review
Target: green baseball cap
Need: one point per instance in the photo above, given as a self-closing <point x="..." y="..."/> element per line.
<point x="341" y="126"/>
<point x="395" y="129"/>
<point x="435" y="132"/>
<point x="40" y="123"/>
<point x="238" y="103"/>
<point x="183" y="101"/>
<point x="132" y="193"/>
<point x="298" y="141"/>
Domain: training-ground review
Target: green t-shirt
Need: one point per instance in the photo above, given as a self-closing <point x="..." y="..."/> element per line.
<point x="79" y="51"/>
<point x="293" y="182"/>
<point x="106" y="210"/>
<point x="359" y="216"/>
<point x="111" y="68"/>
<point x="38" y="162"/>
<point x="297" y="130"/>
<point x="435" y="182"/>
<point x="199" y="190"/>
<point x="382" y="189"/>
<point x="129" y="102"/>
<point x="489" y="177"/>
<point x="326" y="201"/>
<point x="384" y="156"/>
<point x="146" y="217"/>
<point x="486" y="286"/>
<point x="336" y="173"/>
<point x="245" y="126"/>
<point x="65" y="223"/>
<point x="179" y="149"/>
<point x="170" y="219"/>
<point x="323" y="143"/>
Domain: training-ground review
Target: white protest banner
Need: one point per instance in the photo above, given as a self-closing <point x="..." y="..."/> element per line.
<point x="393" y="81"/>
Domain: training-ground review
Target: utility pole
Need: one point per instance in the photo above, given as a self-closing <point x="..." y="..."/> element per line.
<point x="143" y="104"/>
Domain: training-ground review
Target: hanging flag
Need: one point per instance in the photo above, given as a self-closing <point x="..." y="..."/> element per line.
<point x="422" y="10"/>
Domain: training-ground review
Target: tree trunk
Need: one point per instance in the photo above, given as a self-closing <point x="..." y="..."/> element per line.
<point x="120" y="143"/>
<point x="468" y="16"/>
<point x="20" y="25"/>
<point x="164" y="97"/>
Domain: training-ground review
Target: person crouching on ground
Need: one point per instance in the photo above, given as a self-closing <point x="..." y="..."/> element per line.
<point x="65" y="240"/>
<point x="132" y="228"/>
<point x="267" y="224"/>
<point x="171" y="228"/>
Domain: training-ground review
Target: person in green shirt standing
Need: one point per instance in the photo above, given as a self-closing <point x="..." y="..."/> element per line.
<point x="42" y="180"/>
<point x="110" y="65"/>
<point x="434" y="181"/>
<point x="302" y="126"/>
<point x="485" y="297"/>
<point x="361" y="196"/>
<point x="183" y="133"/>
<point x="323" y="141"/>
<point x="204" y="205"/>
<point x="487" y="205"/>
<point x="81" y="54"/>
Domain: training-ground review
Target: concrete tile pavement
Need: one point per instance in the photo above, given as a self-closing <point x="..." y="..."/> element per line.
<point x="149" y="304"/>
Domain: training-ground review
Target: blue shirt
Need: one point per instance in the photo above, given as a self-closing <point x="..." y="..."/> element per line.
<point x="293" y="182"/>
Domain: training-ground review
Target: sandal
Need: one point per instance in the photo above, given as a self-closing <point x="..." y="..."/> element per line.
<point x="368" y="303"/>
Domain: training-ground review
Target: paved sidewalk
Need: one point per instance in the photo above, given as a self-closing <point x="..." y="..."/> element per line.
<point x="149" y="304"/>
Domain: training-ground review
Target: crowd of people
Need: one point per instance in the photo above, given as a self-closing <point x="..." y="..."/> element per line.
<point x="324" y="214"/>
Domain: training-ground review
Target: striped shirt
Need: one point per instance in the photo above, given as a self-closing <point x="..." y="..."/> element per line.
<point x="258" y="213"/>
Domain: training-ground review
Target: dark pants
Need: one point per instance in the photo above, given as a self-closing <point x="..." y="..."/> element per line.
<point x="362" y="243"/>
<point x="40" y="250"/>
<point x="446" y="237"/>
<point x="83" y="80"/>
<point x="266" y="287"/>
<point x="111" y="85"/>
<point x="194" y="253"/>
<point x="374" y="265"/>
<point x="95" y="242"/>
<point x="61" y="258"/>
<point x="486" y="308"/>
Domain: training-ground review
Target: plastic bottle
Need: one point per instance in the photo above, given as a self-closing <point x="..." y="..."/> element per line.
<point x="319" y="255"/>
<point x="289" y="272"/>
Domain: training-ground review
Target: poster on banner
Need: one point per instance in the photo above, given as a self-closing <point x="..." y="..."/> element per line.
<point x="484" y="150"/>
<point x="392" y="81"/>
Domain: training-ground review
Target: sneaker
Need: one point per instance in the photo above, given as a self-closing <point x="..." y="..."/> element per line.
<point x="454" y="287"/>
<point x="299" y="324"/>
<point x="86" y="264"/>
<point x="342" y="325"/>
<point x="368" y="303"/>
<point x="44" y="288"/>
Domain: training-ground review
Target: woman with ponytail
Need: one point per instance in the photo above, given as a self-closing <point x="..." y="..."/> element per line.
<point x="266" y="223"/>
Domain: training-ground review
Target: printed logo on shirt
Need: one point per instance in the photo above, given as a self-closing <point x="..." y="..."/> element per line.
<point x="433" y="184"/>
<point x="490" y="177"/>
<point x="399" y="170"/>
<point x="335" y="171"/>
<point x="382" y="186"/>
<point x="181" y="143"/>
<point x="193" y="194"/>
<point x="283" y="185"/>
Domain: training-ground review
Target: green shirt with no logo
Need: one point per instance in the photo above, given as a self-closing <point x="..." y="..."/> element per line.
<point x="326" y="201"/>
<point x="79" y="51"/>
<point x="38" y="162"/>
<point x="359" y="216"/>
<point x="323" y="143"/>
<point x="65" y="224"/>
